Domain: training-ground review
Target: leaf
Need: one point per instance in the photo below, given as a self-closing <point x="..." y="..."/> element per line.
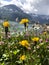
<point x="16" y="51"/>
<point x="3" y="63"/>
<point x="1" y="59"/>
<point x="4" y="55"/>
<point x="19" y="62"/>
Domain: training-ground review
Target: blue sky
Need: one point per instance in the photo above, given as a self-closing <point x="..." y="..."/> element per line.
<point x="30" y="6"/>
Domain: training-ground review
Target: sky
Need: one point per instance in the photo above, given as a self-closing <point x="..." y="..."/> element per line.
<point x="30" y="6"/>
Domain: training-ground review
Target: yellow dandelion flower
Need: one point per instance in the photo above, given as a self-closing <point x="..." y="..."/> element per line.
<point x="35" y="39"/>
<point x="24" y="21"/>
<point x="24" y="43"/>
<point x="6" y="24"/>
<point x="23" y="57"/>
<point x="44" y="33"/>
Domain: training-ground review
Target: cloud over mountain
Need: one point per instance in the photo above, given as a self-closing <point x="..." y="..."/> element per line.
<point x="30" y="6"/>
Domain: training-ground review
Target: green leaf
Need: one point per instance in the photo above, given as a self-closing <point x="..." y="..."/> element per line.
<point x="15" y="52"/>
<point x="3" y="63"/>
<point x="19" y="62"/>
<point x="4" y="55"/>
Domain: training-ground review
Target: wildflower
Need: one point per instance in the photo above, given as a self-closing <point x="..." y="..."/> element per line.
<point x="29" y="48"/>
<point x="1" y="42"/>
<point x="41" y="40"/>
<point x="47" y="47"/>
<point x="27" y="34"/>
<point x="6" y="24"/>
<point x="44" y="33"/>
<point x="38" y="46"/>
<point x="24" y="43"/>
<point x="23" y="57"/>
<point x="9" y="36"/>
<point x="46" y="40"/>
<point x="35" y="39"/>
<point x="24" y="21"/>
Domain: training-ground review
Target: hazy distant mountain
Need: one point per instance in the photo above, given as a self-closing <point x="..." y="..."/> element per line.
<point x="11" y="12"/>
<point x="40" y="18"/>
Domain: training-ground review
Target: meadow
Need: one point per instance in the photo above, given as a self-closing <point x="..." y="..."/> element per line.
<point x="23" y="47"/>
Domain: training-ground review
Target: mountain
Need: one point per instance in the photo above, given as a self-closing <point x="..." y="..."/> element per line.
<point x="11" y="12"/>
<point x="40" y="18"/>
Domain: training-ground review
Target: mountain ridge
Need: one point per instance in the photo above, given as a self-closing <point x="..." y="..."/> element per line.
<point x="11" y="12"/>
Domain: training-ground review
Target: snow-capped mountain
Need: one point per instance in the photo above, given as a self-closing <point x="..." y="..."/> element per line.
<point x="40" y="18"/>
<point x="11" y="12"/>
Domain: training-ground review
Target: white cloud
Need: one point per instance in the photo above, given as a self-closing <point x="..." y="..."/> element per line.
<point x="4" y="2"/>
<point x="30" y="6"/>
